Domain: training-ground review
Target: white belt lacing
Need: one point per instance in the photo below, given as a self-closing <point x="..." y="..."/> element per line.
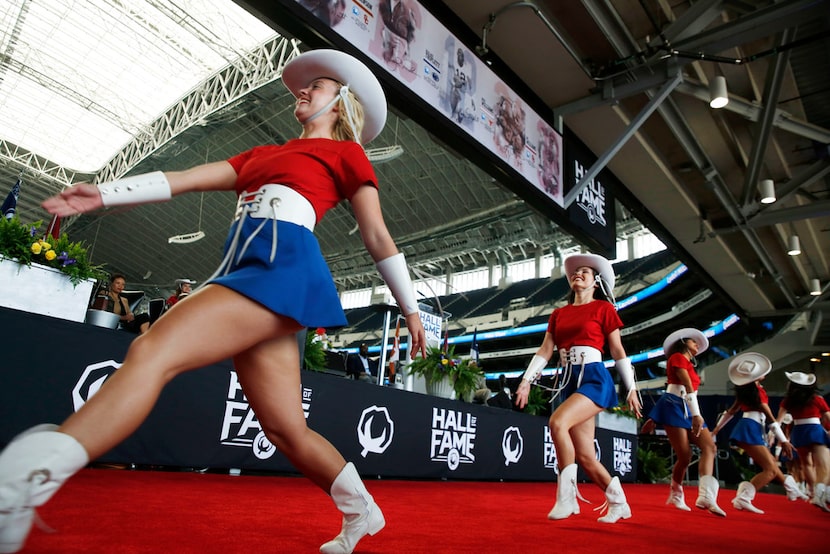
<point x="581" y="355"/>
<point x="677" y="390"/>
<point x="756" y="416"/>
<point x="269" y="202"/>
<point x="807" y="421"/>
<point x="575" y="356"/>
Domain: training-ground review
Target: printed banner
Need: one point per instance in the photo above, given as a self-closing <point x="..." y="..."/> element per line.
<point x="203" y="420"/>
<point x="413" y="46"/>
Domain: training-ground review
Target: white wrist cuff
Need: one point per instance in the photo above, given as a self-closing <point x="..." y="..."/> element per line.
<point x="140" y="189"/>
<point x="396" y="275"/>
<point x="626" y="373"/>
<point x="779" y="433"/>
<point x="691" y="401"/>
<point x="534" y="368"/>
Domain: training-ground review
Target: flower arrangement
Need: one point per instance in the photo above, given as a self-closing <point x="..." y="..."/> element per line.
<point x="438" y="364"/>
<point x="27" y="244"/>
<point x="623" y="410"/>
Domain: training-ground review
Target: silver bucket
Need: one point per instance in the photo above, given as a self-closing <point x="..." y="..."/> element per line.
<point x="102" y="318"/>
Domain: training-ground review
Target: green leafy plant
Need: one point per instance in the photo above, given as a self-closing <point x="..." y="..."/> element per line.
<point x="314" y="357"/>
<point x="538" y="401"/>
<point x="439" y="364"/>
<point x="26" y="244"/>
<point x="653" y="464"/>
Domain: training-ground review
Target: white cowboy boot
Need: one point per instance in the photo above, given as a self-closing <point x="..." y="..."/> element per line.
<point x="793" y="491"/>
<point x="361" y="516"/>
<point x="743" y="500"/>
<point x="819" y="496"/>
<point x="32" y="468"/>
<point x="676" y="497"/>
<point x="566" y="504"/>
<point x="615" y="502"/>
<point x="707" y="499"/>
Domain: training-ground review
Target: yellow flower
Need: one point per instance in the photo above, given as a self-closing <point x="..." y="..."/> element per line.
<point x="36" y="248"/>
<point x="50" y="255"/>
<point x="46" y="245"/>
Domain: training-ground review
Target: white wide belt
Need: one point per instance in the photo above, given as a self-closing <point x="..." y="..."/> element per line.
<point x="580" y="355"/>
<point x="277" y="202"/>
<point x="677" y="390"/>
<point x="755" y="416"/>
<point x="807" y="421"/>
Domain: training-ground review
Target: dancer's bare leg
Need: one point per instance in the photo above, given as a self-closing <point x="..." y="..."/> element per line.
<point x="573" y="411"/>
<point x="270" y="376"/>
<point x="679" y="440"/>
<point x="214" y="324"/>
<point x="582" y="436"/>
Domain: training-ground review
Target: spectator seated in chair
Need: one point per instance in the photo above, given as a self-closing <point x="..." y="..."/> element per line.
<point x="360" y="366"/>
<point x="134" y="323"/>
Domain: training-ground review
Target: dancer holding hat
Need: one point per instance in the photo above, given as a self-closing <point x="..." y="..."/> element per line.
<point x="272" y="283"/>
<point x="678" y="411"/>
<point x="580" y="331"/>
<point x="746" y="371"/>
<point x="809" y="433"/>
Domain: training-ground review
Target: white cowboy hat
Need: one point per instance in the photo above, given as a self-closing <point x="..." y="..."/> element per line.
<point x="185" y="281"/>
<point x="801" y="378"/>
<point x="687" y="333"/>
<point x="748" y="367"/>
<point x="595" y="262"/>
<point x="343" y="68"/>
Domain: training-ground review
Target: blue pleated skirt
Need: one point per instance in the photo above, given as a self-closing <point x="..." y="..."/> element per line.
<point x="808" y="434"/>
<point x="748" y="431"/>
<point x="596" y="384"/>
<point x="670" y="409"/>
<point x="297" y="284"/>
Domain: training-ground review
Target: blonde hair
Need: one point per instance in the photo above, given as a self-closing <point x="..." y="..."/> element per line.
<point x="342" y="129"/>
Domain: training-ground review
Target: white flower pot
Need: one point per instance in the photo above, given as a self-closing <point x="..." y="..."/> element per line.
<point x="615" y="422"/>
<point x="43" y="290"/>
<point x="442" y="388"/>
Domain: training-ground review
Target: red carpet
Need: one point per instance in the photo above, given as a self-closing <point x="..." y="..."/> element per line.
<point x="107" y="511"/>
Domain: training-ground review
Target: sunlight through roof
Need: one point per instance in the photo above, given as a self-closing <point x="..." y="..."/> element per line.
<point x="80" y="78"/>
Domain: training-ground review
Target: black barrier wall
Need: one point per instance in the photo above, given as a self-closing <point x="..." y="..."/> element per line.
<point x="202" y="419"/>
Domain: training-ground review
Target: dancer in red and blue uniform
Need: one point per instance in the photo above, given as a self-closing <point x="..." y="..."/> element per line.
<point x="272" y="283"/>
<point x="746" y="371"/>
<point x="809" y="433"/>
<point x="580" y="330"/>
<point x="678" y="411"/>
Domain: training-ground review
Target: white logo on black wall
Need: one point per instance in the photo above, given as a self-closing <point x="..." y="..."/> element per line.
<point x="453" y="437"/>
<point x="549" y="452"/>
<point x="592" y="196"/>
<point x="512" y="445"/>
<point x="622" y="455"/>
<point x="240" y="426"/>
<point x="375" y="430"/>
<point x="91" y="380"/>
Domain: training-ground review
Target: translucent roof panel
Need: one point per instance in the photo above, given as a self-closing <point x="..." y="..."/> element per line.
<point x="80" y="78"/>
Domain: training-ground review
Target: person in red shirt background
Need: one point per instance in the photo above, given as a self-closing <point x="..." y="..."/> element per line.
<point x="183" y="288"/>
<point x="678" y="411"/>
<point x="809" y="434"/>
<point x="580" y="331"/>
<point x="746" y="371"/>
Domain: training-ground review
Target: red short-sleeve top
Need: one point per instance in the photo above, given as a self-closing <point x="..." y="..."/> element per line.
<point x="324" y="171"/>
<point x="583" y="325"/>
<point x="679" y="361"/>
